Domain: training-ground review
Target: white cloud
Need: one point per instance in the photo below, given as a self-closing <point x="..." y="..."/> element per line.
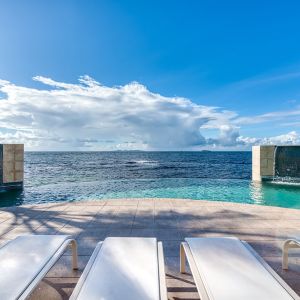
<point x="88" y="115"/>
<point x="291" y="138"/>
<point x="272" y="116"/>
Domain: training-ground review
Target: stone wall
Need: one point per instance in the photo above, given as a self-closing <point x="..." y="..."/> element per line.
<point x="262" y="162"/>
<point x="1" y="164"/>
<point x="11" y="165"/>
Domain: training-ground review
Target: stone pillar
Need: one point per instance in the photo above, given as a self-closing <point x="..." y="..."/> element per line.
<point x="262" y="162"/>
<point x="11" y="166"/>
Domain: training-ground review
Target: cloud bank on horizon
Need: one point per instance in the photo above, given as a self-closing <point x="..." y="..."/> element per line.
<point x="91" y="116"/>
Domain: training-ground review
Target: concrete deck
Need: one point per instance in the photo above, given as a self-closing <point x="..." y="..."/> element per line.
<point x="170" y="220"/>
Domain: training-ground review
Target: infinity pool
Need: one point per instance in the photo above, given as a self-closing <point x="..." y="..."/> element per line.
<point x="232" y="190"/>
<point x="76" y="176"/>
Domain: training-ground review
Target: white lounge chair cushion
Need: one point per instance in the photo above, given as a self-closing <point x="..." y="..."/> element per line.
<point x="22" y="259"/>
<point x="231" y="272"/>
<point x="125" y="268"/>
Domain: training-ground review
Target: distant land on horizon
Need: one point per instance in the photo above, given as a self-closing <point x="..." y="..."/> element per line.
<point x="123" y="151"/>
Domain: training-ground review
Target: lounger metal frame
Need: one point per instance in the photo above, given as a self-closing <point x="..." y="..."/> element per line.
<point x="69" y="242"/>
<point x="185" y="252"/>
<point x="288" y="244"/>
<point x="161" y="272"/>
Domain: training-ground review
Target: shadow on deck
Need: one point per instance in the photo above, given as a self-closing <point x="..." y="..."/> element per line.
<point x="169" y="220"/>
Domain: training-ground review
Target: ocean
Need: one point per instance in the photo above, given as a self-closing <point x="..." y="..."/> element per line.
<point x="77" y="176"/>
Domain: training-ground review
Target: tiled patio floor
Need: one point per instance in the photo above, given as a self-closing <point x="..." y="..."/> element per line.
<point x="170" y="220"/>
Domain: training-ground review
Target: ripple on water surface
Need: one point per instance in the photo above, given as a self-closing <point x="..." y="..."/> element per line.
<point x="218" y="176"/>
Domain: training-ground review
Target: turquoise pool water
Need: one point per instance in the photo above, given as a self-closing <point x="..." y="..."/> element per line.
<point x="232" y="190"/>
<point x="77" y="176"/>
<point x="240" y="191"/>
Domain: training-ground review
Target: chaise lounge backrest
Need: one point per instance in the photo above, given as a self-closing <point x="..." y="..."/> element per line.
<point x="25" y="260"/>
<point x="124" y="268"/>
<point x="229" y="269"/>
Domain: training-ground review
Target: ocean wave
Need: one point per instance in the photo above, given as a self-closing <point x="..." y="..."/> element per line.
<point x="153" y="163"/>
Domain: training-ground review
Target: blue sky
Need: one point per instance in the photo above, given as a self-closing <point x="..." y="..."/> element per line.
<point x="241" y="57"/>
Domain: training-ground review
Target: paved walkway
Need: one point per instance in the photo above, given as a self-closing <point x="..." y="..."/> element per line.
<point x="170" y="220"/>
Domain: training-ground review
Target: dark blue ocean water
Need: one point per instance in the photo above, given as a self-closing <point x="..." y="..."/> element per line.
<point x="72" y="176"/>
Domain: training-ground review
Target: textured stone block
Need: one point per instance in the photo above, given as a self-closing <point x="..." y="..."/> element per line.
<point x="19" y="166"/>
<point x="19" y="155"/>
<point x="262" y="162"/>
<point x="11" y="164"/>
<point x="19" y="176"/>
<point x="1" y="164"/>
<point x="8" y="176"/>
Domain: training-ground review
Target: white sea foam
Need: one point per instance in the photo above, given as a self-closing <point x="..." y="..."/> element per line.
<point x="147" y="162"/>
<point x="283" y="182"/>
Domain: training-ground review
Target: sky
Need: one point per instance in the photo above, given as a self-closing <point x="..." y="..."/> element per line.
<point x="149" y="75"/>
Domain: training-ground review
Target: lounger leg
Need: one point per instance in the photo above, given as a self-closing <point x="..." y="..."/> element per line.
<point x="289" y="244"/>
<point x="285" y="256"/>
<point x="74" y="255"/>
<point x="182" y="259"/>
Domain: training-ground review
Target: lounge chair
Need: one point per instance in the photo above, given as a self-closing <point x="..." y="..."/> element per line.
<point x="25" y="260"/>
<point x="288" y="244"/>
<point x="227" y="268"/>
<point x="124" y="268"/>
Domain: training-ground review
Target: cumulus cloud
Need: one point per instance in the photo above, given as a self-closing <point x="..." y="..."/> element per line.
<point x="291" y="138"/>
<point x="88" y="115"/>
